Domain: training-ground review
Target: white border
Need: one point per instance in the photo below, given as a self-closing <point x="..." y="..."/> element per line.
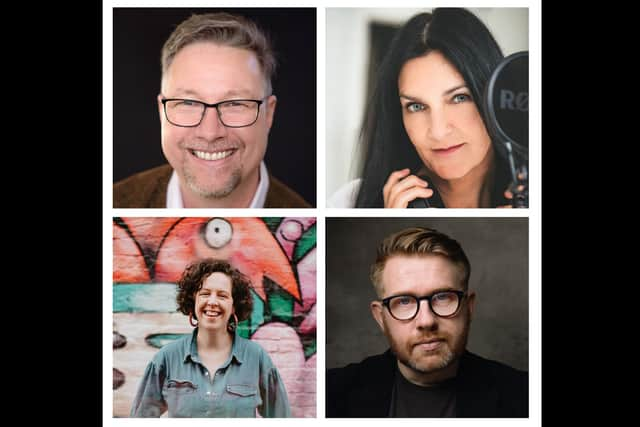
<point x="534" y="213"/>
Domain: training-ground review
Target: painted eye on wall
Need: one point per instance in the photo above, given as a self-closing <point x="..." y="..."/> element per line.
<point x="218" y="233"/>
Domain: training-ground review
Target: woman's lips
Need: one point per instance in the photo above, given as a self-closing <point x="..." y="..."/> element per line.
<point x="448" y="150"/>
<point x="212" y="313"/>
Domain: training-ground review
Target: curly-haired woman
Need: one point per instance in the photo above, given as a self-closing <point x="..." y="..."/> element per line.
<point x="213" y="372"/>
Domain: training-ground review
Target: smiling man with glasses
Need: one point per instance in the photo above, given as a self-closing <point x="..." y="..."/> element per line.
<point x="424" y="309"/>
<point x="216" y="108"/>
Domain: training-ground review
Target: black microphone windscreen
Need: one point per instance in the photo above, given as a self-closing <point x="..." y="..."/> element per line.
<point x="507" y="102"/>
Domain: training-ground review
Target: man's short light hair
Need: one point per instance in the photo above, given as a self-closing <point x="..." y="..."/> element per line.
<point x="418" y="241"/>
<point x="226" y="30"/>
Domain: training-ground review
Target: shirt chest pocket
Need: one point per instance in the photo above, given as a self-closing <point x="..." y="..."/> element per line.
<point x="180" y="387"/>
<point x="244" y="398"/>
<point x="179" y="395"/>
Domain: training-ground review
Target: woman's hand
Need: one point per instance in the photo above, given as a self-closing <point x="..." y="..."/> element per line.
<point x="509" y="196"/>
<point x="520" y="189"/>
<point x="401" y="188"/>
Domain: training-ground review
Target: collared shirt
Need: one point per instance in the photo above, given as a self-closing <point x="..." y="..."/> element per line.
<point x="177" y="381"/>
<point x="174" y="195"/>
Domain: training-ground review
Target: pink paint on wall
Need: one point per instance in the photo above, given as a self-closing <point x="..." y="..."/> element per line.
<point x="156" y="250"/>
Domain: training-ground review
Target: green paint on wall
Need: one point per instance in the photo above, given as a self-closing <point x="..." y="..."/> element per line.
<point x="309" y="348"/>
<point x="160" y="340"/>
<point x="280" y="305"/>
<point x="244" y="329"/>
<point x="272" y="223"/>
<point x="305" y="244"/>
<point x="257" y="314"/>
<point x="144" y="298"/>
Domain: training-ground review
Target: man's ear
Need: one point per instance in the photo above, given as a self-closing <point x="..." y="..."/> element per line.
<point x="376" y="311"/>
<point x="160" y="107"/>
<point x="471" y="302"/>
<point x="271" y="109"/>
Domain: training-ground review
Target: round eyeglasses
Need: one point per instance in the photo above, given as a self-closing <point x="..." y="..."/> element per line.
<point x="233" y="113"/>
<point x="442" y="304"/>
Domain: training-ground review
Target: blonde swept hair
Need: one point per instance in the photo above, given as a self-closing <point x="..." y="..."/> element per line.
<point x="418" y="241"/>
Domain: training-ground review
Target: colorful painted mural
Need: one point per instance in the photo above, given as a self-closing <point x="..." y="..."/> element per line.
<point x="278" y="254"/>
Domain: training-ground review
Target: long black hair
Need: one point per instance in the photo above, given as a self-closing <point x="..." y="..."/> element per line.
<point x="469" y="46"/>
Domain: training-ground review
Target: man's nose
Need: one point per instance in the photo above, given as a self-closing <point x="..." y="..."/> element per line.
<point x="211" y="126"/>
<point x="425" y="319"/>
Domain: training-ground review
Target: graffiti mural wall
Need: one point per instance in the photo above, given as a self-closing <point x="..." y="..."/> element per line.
<point x="278" y="254"/>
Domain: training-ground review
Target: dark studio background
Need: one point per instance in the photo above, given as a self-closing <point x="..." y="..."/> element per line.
<point x="497" y="249"/>
<point x="138" y="36"/>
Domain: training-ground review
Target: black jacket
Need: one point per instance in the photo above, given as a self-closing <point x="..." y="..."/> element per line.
<point x="486" y="388"/>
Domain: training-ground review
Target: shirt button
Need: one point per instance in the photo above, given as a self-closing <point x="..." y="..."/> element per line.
<point x="206" y="373"/>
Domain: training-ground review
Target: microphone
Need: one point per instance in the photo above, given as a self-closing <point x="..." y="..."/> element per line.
<point x="507" y="104"/>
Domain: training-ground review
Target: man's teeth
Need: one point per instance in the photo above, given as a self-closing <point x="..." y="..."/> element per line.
<point x="204" y="155"/>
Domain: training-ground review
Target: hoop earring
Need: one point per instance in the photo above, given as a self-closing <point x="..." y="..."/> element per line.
<point x="232" y="326"/>
<point x="191" y="320"/>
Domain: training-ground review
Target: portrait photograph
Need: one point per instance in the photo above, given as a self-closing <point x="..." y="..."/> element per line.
<point x="439" y="309"/>
<point x="254" y="67"/>
<point x="248" y="282"/>
<point x="427" y="107"/>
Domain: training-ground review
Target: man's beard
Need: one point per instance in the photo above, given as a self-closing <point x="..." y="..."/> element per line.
<point x="220" y="192"/>
<point x="449" y="352"/>
<point x="405" y="354"/>
<point x="445" y="358"/>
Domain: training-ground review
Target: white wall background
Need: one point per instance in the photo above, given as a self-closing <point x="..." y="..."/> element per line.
<point x="347" y="50"/>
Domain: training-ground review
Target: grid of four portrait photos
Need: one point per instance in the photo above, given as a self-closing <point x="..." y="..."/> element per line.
<point x="321" y="212"/>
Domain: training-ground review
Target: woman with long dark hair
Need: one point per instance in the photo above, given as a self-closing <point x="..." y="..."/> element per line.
<point x="424" y="137"/>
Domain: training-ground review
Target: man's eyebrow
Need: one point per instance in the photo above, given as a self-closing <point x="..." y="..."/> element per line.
<point x="237" y="93"/>
<point x="435" y="291"/>
<point x="186" y="92"/>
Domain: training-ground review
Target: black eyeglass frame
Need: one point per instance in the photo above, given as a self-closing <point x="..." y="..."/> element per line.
<point x="257" y="101"/>
<point x="460" y="294"/>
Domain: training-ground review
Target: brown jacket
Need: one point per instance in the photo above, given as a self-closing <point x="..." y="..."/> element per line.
<point x="148" y="189"/>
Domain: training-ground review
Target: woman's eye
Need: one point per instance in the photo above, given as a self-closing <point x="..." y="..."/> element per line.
<point x="461" y="97"/>
<point x="414" y="107"/>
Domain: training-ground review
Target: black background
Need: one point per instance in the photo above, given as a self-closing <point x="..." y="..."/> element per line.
<point x="138" y="36"/>
<point x="497" y="249"/>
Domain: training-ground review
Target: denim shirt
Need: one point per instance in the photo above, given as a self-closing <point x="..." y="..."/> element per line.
<point x="177" y="381"/>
